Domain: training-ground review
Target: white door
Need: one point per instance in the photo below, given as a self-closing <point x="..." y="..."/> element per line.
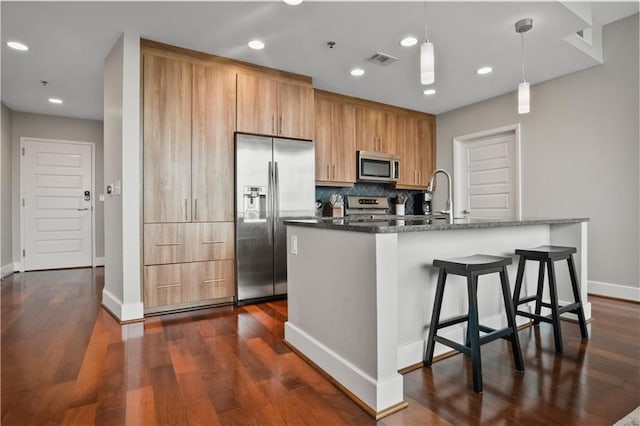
<point x="57" y="193"/>
<point x="486" y="172"/>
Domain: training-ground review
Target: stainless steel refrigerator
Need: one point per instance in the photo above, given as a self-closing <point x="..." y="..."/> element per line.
<point x="275" y="179"/>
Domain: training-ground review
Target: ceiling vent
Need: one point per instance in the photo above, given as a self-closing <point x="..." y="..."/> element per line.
<point x="380" y="58"/>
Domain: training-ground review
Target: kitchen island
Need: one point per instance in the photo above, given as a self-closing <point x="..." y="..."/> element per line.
<point x="361" y="291"/>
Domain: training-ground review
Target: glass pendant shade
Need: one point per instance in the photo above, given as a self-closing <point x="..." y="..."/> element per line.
<point x="427" y="63"/>
<point x="523" y="98"/>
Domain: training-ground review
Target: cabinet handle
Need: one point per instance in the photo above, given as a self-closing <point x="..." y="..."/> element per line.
<point x="213" y="242"/>
<point x="214" y="281"/>
<point x="196" y="208"/>
<point x="419" y="176"/>
<point x="273" y="125"/>
<point x="159" y="287"/>
<point x="280" y="131"/>
<point x="327" y="170"/>
<point x="186" y="208"/>
<point x="415" y="175"/>
<point x="334" y="171"/>
<point x="168" y="244"/>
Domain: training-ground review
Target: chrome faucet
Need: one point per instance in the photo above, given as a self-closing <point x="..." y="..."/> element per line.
<point x="449" y="206"/>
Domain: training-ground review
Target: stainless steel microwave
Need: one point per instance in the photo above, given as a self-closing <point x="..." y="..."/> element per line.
<point x="378" y="167"/>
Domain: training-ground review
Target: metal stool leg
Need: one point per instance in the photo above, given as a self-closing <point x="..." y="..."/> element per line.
<point x="576" y="296"/>
<point x="435" y="317"/>
<point x="539" y="291"/>
<point x="511" y="320"/>
<point x="474" y="332"/>
<point x="555" y="316"/>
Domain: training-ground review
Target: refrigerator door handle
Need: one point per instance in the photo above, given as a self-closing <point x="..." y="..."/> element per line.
<point x="270" y="190"/>
<point x="276" y="199"/>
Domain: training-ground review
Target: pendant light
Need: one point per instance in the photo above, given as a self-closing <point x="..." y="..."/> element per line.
<point x="427" y="58"/>
<point x="524" y="98"/>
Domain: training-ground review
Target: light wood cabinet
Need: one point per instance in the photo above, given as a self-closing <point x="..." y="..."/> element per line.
<point x="188" y="242"/>
<point x="188" y="123"/>
<point x="271" y="107"/>
<point x="415" y="142"/>
<point x="335" y="141"/>
<point x="184" y="283"/>
<point x="188" y="141"/>
<point x="376" y="130"/>
<point x="167" y="139"/>
<point x="212" y="160"/>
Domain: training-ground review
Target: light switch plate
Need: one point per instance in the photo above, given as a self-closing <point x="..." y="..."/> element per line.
<point x="294" y="244"/>
<point x="101" y="197"/>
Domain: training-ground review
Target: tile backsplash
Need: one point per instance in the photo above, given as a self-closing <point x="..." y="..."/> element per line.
<point x="323" y="193"/>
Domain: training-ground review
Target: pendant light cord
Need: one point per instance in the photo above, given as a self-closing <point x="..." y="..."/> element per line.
<point x="522" y="38"/>
<point x="426" y="32"/>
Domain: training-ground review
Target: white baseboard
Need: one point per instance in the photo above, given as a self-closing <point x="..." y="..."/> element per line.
<point x="6" y="270"/>
<point x="17" y="267"/>
<point x="99" y="261"/>
<point x="377" y="394"/>
<point x="122" y="311"/>
<point x="615" y="290"/>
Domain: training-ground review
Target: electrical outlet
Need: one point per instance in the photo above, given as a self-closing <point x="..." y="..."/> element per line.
<point x="294" y="244"/>
<point x="101" y="197"/>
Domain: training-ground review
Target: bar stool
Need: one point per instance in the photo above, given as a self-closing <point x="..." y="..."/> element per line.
<point x="547" y="255"/>
<point x="471" y="267"/>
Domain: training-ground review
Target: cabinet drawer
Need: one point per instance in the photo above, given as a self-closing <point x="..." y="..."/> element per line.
<point x="166" y="243"/>
<point x="164" y="284"/>
<point x="210" y="280"/>
<point x="188" y="242"/>
<point x="212" y="241"/>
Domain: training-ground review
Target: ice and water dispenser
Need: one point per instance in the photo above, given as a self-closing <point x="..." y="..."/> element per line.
<point x="255" y="203"/>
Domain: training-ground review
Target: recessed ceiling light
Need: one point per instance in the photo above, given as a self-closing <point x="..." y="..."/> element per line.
<point x="293" y="2"/>
<point x="429" y="92"/>
<point x="55" y="100"/>
<point x="409" y="41"/>
<point x="17" y="46"/>
<point x="357" y="72"/>
<point x="256" y="44"/>
<point x="484" y="70"/>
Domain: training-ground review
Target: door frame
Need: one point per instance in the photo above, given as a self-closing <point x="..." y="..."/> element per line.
<point x="457" y="158"/>
<point x="92" y="145"/>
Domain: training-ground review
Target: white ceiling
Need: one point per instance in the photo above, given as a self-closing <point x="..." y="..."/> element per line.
<point x="69" y="40"/>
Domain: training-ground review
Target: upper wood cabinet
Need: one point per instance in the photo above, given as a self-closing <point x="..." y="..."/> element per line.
<point x="335" y="140"/>
<point x="167" y="139"/>
<point x="188" y="141"/>
<point x="272" y="107"/>
<point x="376" y="130"/>
<point x="416" y="152"/>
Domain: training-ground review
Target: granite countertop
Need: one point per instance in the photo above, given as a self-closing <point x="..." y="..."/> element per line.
<point x="419" y="223"/>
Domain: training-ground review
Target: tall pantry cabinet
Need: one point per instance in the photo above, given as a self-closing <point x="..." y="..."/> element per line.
<point x="188" y="124"/>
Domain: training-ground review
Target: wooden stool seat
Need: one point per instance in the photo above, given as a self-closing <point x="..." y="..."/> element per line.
<point x="471" y="267"/>
<point x="546" y="256"/>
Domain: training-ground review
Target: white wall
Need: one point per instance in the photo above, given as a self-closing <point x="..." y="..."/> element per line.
<point x="6" y="258"/>
<point x="60" y="128"/>
<point x="122" y="163"/>
<point x="580" y="146"/>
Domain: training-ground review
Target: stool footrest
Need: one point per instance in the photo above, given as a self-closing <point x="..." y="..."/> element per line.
<point x="527" y="299"/>
<point x="569" y="308"/>
<point x="497" y="334"/>
<point x="534" y="316"/>
<point x="546" y="305"/>
<point x="486" y="329"/>
<point x="453" y="321"/>
<point x="455" y="345"/>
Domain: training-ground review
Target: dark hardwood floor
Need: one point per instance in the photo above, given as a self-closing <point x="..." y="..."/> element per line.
<point x="66" y="361"/>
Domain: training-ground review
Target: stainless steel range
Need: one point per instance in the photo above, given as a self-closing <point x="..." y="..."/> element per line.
<point x="366" y="206"/>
